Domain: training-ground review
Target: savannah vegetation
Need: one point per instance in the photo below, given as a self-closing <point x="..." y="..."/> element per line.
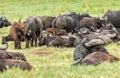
<point x="53" y="62"/>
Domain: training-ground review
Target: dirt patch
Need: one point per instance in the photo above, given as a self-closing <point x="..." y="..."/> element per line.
<point x="42" y="53"/>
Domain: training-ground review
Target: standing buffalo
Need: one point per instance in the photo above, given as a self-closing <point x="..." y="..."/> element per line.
<point x="17" y="32"/>
<point x="34" y="28"/>
<point x="4" y="22"/>
<point x="69" y="21"/>
<point x="110" y="31"/>
<point x="47" y="21"/>
<point x="113" y="17"/>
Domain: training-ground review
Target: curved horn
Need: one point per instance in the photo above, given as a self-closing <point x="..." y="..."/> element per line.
<point x="78" y="61"/>
<point x="94" y="42"/>
<point x="5" y="47"/>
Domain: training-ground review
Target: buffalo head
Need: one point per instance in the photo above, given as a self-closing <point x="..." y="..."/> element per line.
<point x="4" y="22"/>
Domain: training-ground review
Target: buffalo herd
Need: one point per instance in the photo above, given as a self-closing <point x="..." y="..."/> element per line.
<point x="87" y="34"/>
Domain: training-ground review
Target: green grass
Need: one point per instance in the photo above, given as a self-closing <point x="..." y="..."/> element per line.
<point x="57" y="64"/>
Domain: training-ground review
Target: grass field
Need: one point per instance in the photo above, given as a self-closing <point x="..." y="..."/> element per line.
<point x="52" y="62"/>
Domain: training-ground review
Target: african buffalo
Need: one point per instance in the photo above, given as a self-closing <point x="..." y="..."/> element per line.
<point x="34" y="28"/>
<point x="47" y="21"/>
<point x="17" y="32"/>
<point x="86" y="35"/>
<point x="70" y="42"/>
<point x="55" y="32"/>
<point x="97" y="58"/>
<point x="4" y="22"/>
<point x="88" y="42"/>
<point x="110" y="31"/>
<point x="6" y="39"/>
<point x="86" y="22"/>
<point x="53" y="41"/>
<point x="12" y="55"/>
<point x="69" y="21"/>
<point x="58" y="41"/>
<point x="113" y="17"/>
<point x="11" y="63"/>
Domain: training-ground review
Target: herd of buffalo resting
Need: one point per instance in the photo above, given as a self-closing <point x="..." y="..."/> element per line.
<point x="87" y="34"/>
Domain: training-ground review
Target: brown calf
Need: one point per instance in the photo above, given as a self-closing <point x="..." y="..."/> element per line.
<point x="17" y="32"/>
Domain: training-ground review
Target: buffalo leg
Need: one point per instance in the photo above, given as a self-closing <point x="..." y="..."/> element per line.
<point x="15" y="45"/>
<point x="35" y="41"/>
<point x="32" y="42"/>
<point x="19" y="44"/>
<point x="27" y="43"/>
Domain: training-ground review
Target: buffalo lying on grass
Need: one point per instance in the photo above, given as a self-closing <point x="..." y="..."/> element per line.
<point x="8" y="63"/>
<point x="12" y="55"/>
<point x="88" y="22"/>
<point x="113" y="17"/>
<point x="86" y="34"/>
<point x="55" y="32"/>
<point x="97" y="58"/>
<point x="87" y="43"/>
<point x="110" y="31"/>
<point x="6" y="39"/>
<point x="58" y="41"/>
